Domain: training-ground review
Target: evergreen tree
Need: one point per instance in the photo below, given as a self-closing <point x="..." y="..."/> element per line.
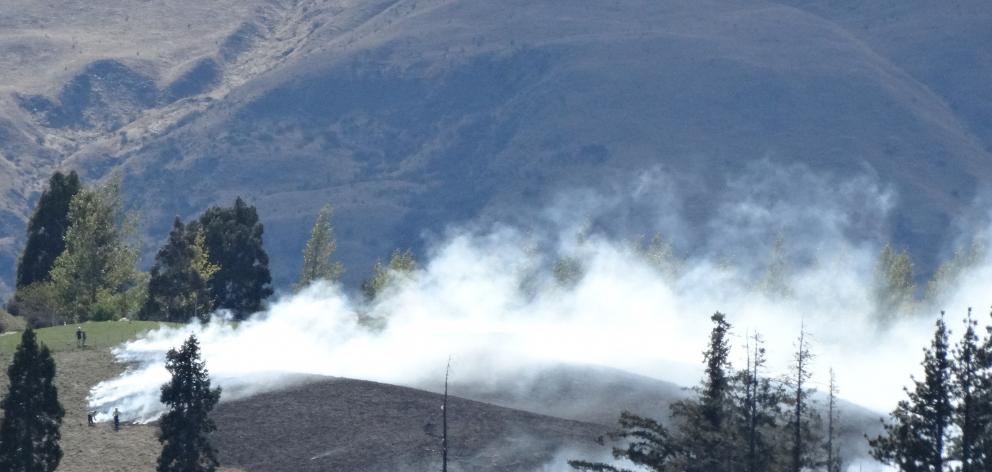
<point x="46" y="230"/>
<point x="317" y="264"/>
<point x="982" y="448"/>
<point x="707" y="440"/>
<point x="759" y="405"/>
<point x="233" y="238"/>
<point x="98" y="265"/>
<point x="916" y="434"/>
<point x="401" y="263"/>
<point x="178" y="289"/>
<point x="646" y="443"/>
<point x="184" y="429"/>
<point x="32" y="415"/>
<point x="972" y="409"/>
<point x="804" y="418"/>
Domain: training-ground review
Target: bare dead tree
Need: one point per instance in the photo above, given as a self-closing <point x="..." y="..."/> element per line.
<point x="444" y="420"/>
<point x="833" y="461"/>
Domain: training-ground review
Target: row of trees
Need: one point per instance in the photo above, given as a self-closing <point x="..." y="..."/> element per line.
<point x="945" y="423"/>
<point x="32" y="413"/>
<point x="739" y="420"/>
<point x="79" y="262"/>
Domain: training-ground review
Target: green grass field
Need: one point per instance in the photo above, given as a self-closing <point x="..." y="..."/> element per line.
<point x="99" y="334"/>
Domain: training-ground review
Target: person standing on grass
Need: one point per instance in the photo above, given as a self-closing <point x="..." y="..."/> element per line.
<point x="117" y="419"/>
<point x="79" y="336"/>
<point x="84" y="338"/>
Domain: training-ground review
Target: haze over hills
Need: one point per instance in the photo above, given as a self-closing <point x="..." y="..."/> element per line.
<point x="412" y="115"/>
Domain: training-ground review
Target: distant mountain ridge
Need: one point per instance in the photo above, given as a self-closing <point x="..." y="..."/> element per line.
<point x="410" y="116"/>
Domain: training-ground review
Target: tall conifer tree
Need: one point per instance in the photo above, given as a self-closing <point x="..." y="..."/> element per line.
<point x="184" y="429"/>
<point x="32" y="414"/>
<point x="46" y="230"/>
<point x="915" y="437"/>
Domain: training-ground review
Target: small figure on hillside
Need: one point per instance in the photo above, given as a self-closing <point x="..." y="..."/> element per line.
<point x="84" y="338"/>
<point x="89" y="418"/>
<point x="117" y="420"/>
<point x="79" y="336"/>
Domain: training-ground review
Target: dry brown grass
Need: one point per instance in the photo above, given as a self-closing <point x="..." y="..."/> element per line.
<point x="98" y="448"/>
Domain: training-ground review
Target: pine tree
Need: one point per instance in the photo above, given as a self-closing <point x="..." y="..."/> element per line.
<point x="184" y="429"/>
<point x="916" y="434"/>
<point x="98" y="264"/>
<point x="647" y="444"/>
<point x="708" y="441"/>
<point x="804" y="418"/>
<point x="317" y="264"/>
<point x="178" y="289"/>
<point x="983" y="400"/>
<point x="29" y="431"/>
<point x="233" y="238"/>
<point x="401" y="263"/>
<point x="46" y="230"/>
<point x="966" y="372"/>
<point x="973" y="411"/>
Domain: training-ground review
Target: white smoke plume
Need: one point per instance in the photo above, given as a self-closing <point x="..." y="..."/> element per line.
<point x="488" y="296"/>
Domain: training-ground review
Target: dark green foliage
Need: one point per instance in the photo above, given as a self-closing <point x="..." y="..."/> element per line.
<point x="184" y="429"/>
<point x="708" y="440"/>
<point x="916" y="434"/>
<point x="647" y="445"/>
<point x="968" y="412"/>
<point x="233" y="238"/>
<point x="46" y="230"/>
<point x="29" y="432"/>
<point x="178" y="289"/>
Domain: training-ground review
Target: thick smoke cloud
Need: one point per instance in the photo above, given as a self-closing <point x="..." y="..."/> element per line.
<point x="785" y="248"/>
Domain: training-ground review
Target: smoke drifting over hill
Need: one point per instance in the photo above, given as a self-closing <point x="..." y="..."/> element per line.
<point x="569" y="288"/>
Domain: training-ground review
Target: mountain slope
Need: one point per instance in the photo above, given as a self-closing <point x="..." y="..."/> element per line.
<point x="410" y="115"/>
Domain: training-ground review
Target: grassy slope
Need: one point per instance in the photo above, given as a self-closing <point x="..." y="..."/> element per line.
<point x="99" y="335"/>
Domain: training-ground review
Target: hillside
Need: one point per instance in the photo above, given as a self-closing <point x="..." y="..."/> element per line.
<point x="365" y="426"/>
<point x="411" y="115"/>
<point x="321" y="423"/>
